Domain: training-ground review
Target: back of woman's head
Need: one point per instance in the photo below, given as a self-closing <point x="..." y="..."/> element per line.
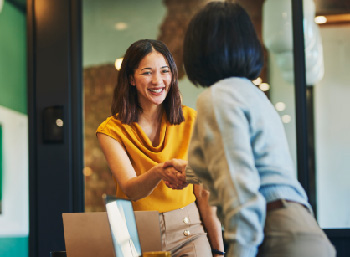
<point x="125" y="102"/>
<point x="221" y="42"/>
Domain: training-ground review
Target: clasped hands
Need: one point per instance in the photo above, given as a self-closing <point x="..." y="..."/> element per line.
<point x="175" y="171"/>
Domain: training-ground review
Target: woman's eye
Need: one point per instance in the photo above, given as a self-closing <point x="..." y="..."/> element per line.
<point x="165" y="71"/>
<point x="147" y="73"/>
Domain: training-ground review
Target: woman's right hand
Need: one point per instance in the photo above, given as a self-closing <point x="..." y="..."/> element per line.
<point x="177" y="167"/>
<point x="172" y="177"/>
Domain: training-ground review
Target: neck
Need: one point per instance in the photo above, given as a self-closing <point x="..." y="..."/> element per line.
<point x="150" y="121"/>
<point x="152" y="114"/>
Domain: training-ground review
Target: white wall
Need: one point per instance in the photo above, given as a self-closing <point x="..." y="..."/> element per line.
<point x="332" y="122"/>
<point x="14" y="216"/>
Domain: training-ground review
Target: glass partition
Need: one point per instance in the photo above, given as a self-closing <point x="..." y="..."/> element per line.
<point x="109" y="27"/>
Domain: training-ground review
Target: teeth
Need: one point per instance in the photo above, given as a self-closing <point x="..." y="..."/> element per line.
<point x="156" y="90"/>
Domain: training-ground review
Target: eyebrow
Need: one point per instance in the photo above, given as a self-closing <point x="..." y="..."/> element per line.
<point x="151" y="68"/>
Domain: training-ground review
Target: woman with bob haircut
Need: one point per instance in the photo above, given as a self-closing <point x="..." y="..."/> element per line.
<point x="149" y="126"/>
<point x="239" y="148"/>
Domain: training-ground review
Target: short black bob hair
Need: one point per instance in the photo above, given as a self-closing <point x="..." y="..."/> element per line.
<point x="125" y="105"/>
<point x="221" y="42"/>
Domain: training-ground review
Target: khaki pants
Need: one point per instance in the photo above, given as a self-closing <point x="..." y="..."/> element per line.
<point x="292" y="231"/>
<point x="183" y="233"/>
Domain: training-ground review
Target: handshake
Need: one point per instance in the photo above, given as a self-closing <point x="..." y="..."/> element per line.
<point x="177" y="174"/>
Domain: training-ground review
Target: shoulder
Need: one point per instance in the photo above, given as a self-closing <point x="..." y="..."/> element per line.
<point x="110" y="126"/>
<point x="204" y="100"/>
<point x="234" y="92"/>
<point x="189" y="113"/>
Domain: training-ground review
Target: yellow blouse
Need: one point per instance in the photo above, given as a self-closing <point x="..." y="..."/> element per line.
<point x="173" y="143"/>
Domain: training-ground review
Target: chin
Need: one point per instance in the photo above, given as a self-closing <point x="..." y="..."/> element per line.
<point x="158" y="102"/>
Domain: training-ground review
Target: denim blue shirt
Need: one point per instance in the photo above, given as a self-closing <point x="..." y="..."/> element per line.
<point x="240" y="153"/>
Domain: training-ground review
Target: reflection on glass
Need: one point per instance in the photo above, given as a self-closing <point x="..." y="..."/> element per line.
<point x="123" y="227"/>
<point x="109" y="27"/>
<point x="280" y="106"/>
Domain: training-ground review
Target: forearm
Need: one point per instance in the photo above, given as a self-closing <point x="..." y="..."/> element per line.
<point x="140" y="187"/>
<point x="210" y="220"/>
<point x="214" y="229"/>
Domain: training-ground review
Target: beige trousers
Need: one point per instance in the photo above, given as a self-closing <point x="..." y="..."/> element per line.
<point x="183" y="233"/>
<point x="292" y="231"/>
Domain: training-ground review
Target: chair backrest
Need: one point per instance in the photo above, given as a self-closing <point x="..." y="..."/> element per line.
<point x="87" y="234"/>
<point x="90" y="234"/>
<point x="58" y="254"/>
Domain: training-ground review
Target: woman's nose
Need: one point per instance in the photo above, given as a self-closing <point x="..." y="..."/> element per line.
<point x="156" y="78"/>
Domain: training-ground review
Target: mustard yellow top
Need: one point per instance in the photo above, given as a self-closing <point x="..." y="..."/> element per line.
<point x="173" y="143"/>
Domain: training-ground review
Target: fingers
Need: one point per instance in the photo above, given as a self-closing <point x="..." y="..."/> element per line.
<point x="176" y="187"/>
<point x="174" y="173"/>
<point x="178" y="164"/>
<point x="174" y="179"/>
<point x="170" y="175"/>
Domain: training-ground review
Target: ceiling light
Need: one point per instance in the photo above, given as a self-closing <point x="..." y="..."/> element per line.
<point x="118" y="63"/>
<point x="121" y="26"/>
<point x="320" y="19"/>
<point x="257" y="81"/>
<point x="280" y="106"/>
<point x="286" y="118"/>
<point x="264" y="87"/>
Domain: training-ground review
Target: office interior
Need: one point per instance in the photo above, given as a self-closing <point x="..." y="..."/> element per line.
<point x="59" y="60"/>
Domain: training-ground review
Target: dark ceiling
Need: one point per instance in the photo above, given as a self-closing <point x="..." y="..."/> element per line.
<point x="332" y="6"/>
<point x="322" y="6"/>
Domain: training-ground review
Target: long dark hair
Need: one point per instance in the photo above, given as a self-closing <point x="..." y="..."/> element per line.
<point x="125" y="102"/>
<point x="221" y="42"/>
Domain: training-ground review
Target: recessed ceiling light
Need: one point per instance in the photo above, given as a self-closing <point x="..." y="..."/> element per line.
<point x="320" y="19"/>
<point x="121" y="26"/>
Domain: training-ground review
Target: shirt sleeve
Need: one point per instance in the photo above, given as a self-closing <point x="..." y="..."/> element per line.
<point x="221" y="156"/>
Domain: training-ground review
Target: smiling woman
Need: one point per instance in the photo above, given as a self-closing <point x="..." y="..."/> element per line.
<point x="142" y="134"/>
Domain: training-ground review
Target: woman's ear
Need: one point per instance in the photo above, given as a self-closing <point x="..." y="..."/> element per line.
<point x="132" y="81"/>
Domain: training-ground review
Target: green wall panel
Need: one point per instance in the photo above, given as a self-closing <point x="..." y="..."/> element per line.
<point x="0" y="168"/>
<point x="13" y="59"/>
<point x="14" y="247"/>
<point x="13" y="95"/>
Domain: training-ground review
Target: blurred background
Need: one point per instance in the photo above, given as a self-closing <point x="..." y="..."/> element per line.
<point x="106" y="28"/>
